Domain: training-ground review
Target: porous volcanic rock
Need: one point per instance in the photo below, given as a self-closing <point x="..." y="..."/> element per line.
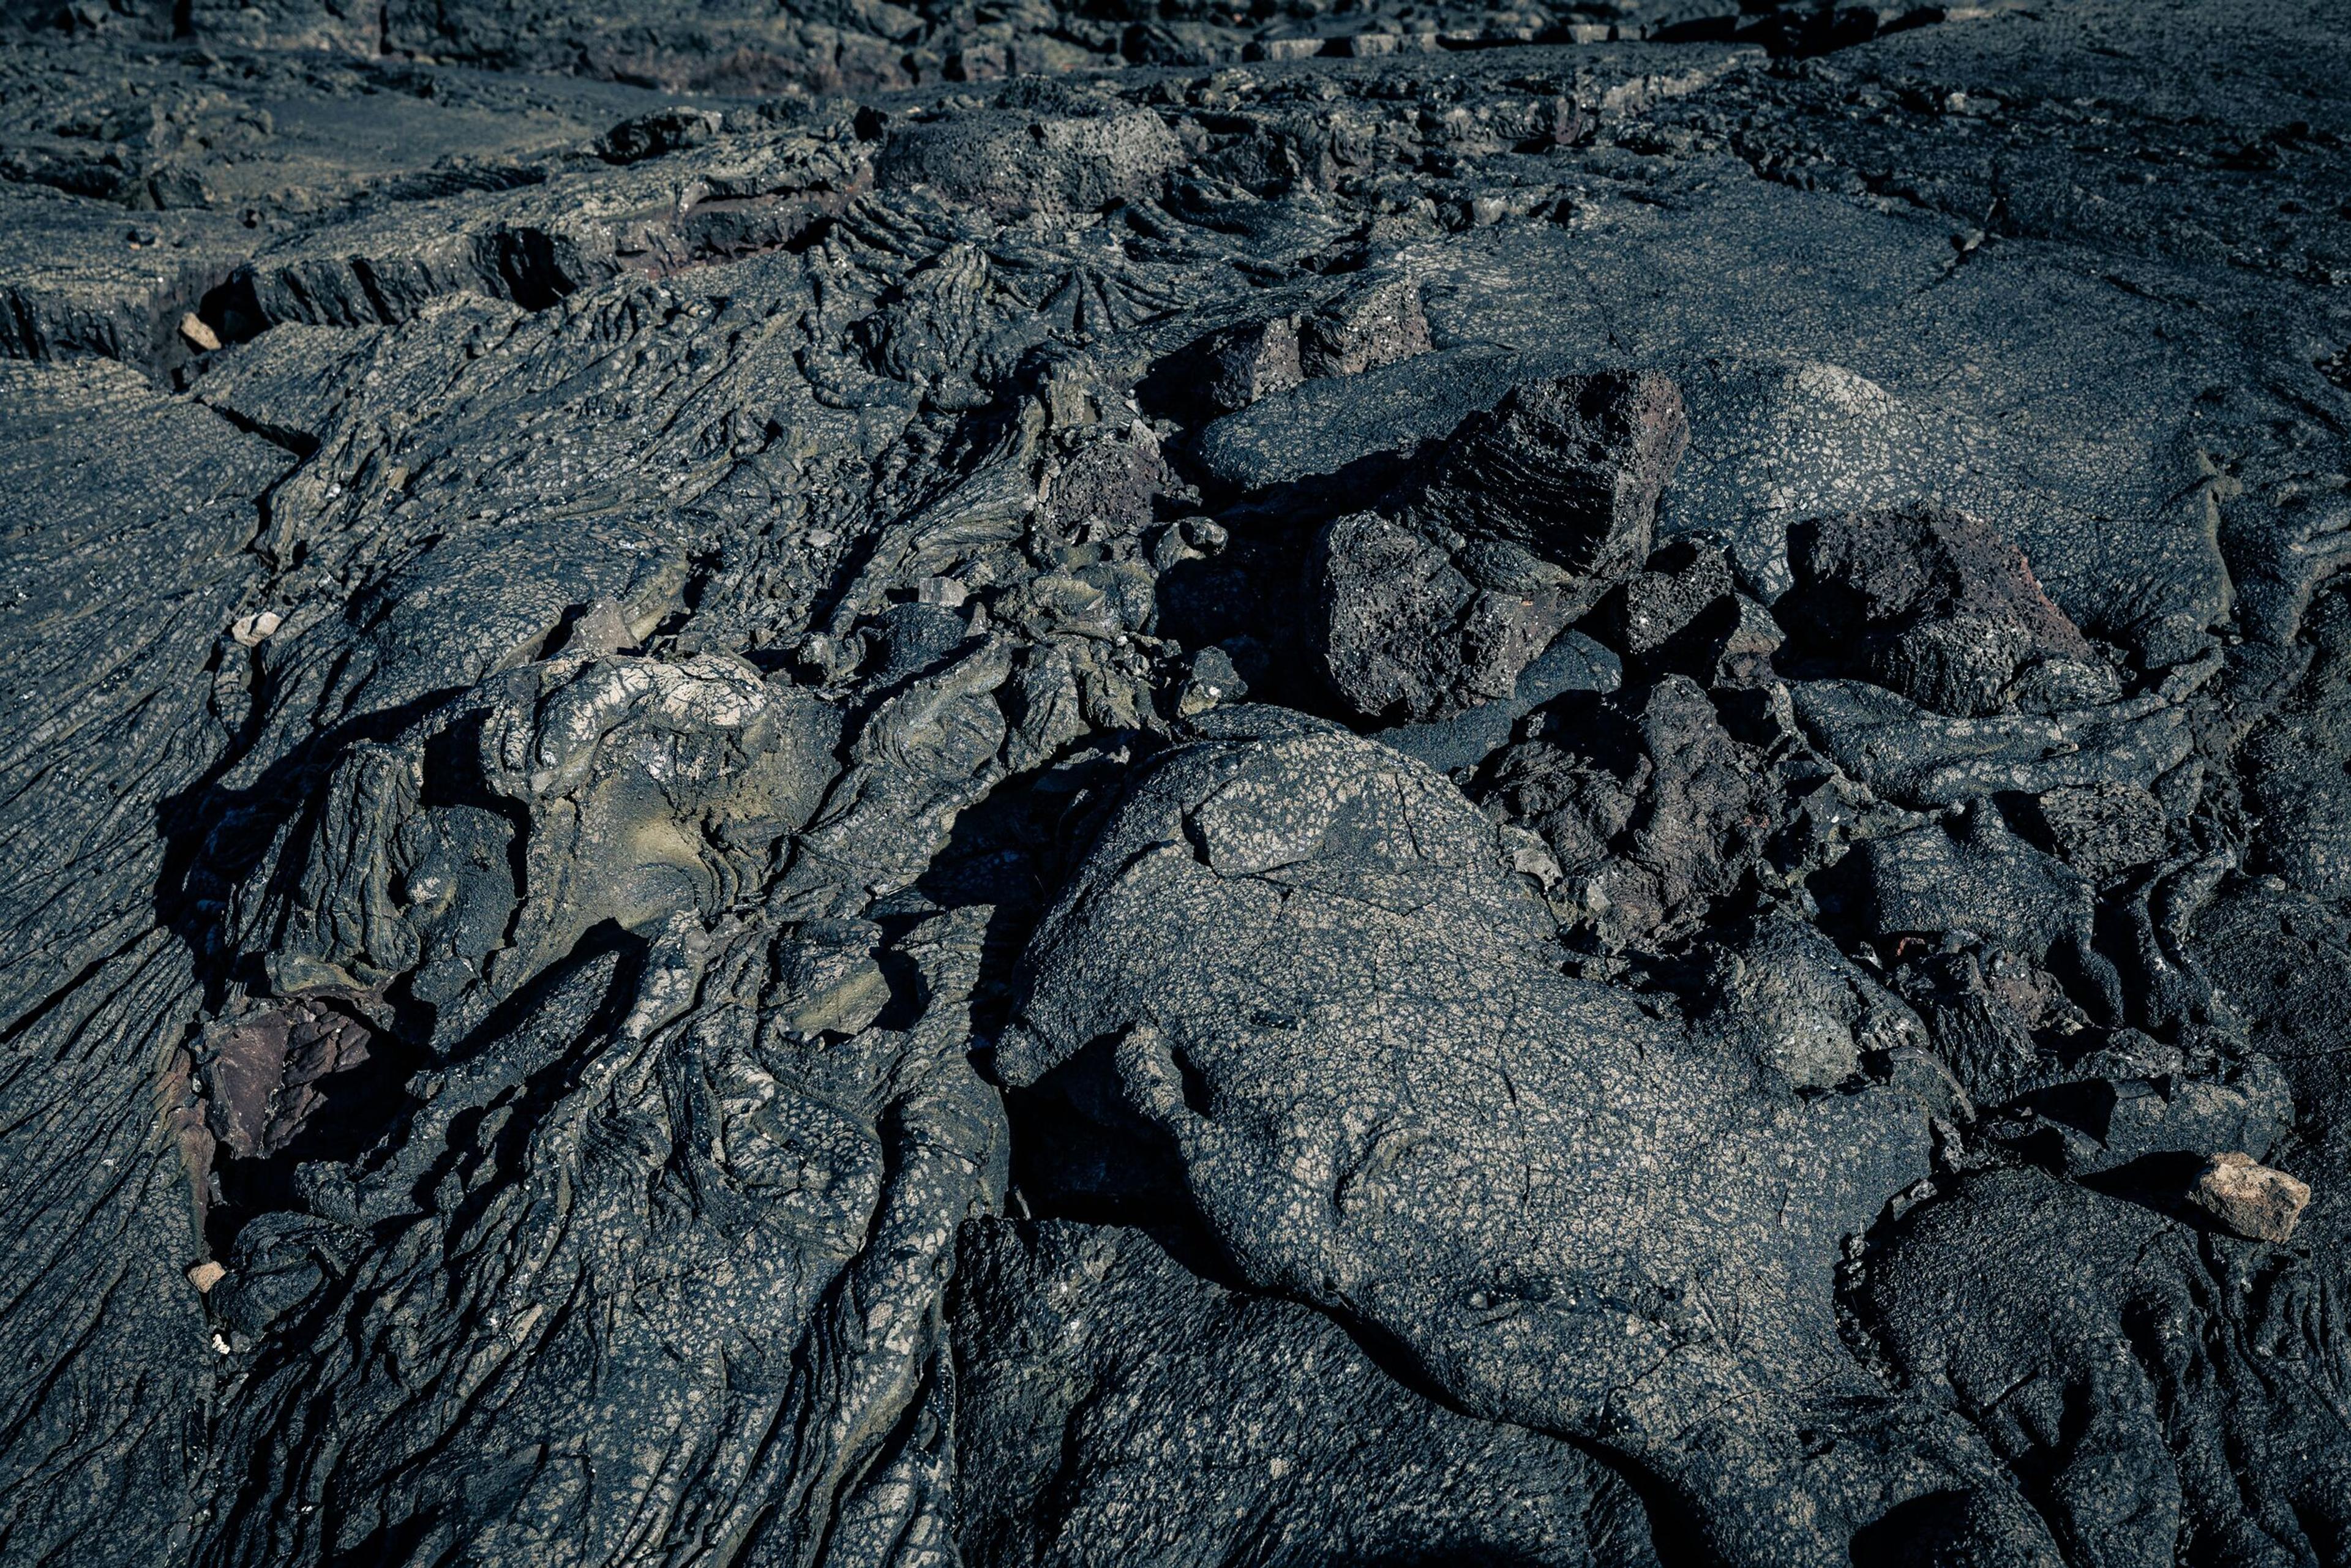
<point x="887" y="783"/>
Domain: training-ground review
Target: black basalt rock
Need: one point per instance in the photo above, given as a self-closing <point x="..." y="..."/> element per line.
<point x="899" y="784"/>
<point x="1434" y="601"/>
<point x="1316" y="974"/>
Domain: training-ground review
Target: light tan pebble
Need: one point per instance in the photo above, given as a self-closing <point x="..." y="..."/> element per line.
<point x="255" y="629"/>
<point x="2254" y="1200"/>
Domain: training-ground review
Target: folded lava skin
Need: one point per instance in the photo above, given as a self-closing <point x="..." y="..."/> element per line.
<point x="1148" y="783"/>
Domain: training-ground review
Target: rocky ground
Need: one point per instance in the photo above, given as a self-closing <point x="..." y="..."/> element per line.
<point x="1381" y="784"/>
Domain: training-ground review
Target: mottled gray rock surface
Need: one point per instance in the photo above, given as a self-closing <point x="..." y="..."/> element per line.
<point x="863" y="785"/>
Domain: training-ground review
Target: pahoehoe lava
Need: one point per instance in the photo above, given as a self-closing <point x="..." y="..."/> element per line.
<point x="1175" y="784"/>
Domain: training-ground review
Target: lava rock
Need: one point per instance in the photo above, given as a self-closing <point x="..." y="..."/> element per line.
<point x="1080" y="1348"/>
<point x="645" y="922"/>
<point x="1986" y="1013"/>
<point x="1312" y="973"/>
<point x="1775" y="445"/>
<point x="1436" y="600"/>
<point x="1777" y="990"/>
<point x="1938" y="606"/>
<point x="2101" y="830"/>
<point x="1012" y="163"/>
<point x="1653" y="810"/>
<point x="1570" y="470"/>
<point x="1364" y="330"/>
<point x="2009" y="1296"/>
<point x="1405" y="634"/>
<point x="1681" y="613"/>
<point x="1251" y="362"/>
<point x="2292" y="770"/>
<point x="1975" y="876"/>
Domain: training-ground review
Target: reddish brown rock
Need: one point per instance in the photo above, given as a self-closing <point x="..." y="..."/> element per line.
<point x="262" y="1072"/>
<point x="1940" y="606"/>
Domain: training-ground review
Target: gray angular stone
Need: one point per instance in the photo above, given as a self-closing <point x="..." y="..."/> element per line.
<point x="1404" y="634"/>
<point x="1528" y="513"/>
<point x="1652" y="810"/>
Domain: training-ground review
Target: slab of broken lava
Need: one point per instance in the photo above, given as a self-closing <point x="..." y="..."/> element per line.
<point x="1155" y="785"/>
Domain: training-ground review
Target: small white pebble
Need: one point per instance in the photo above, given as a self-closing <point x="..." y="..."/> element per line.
<point x="255" y="629"/>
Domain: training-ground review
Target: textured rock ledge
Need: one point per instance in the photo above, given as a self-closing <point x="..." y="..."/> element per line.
<point x="886" y="786"/>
